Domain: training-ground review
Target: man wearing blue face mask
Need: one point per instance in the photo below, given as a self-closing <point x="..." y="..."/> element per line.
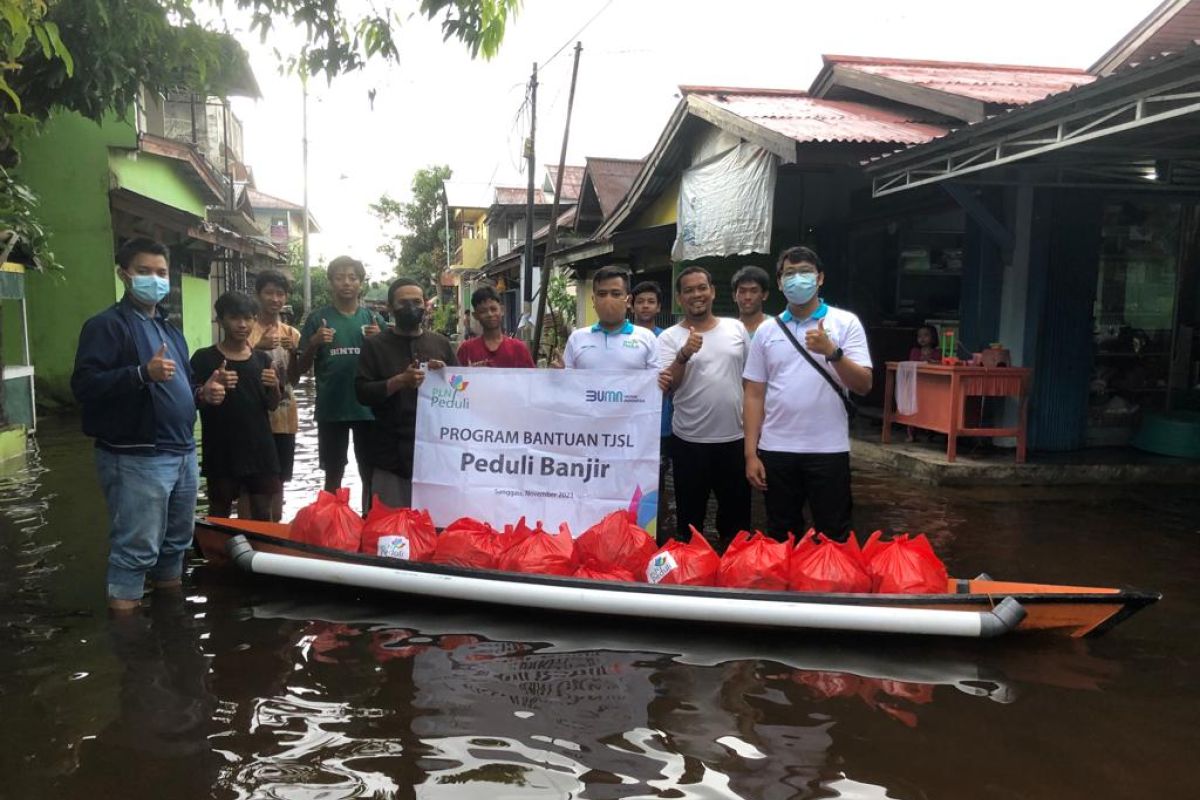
<point x="133" y="380"/>
<point x="796" y="407"/>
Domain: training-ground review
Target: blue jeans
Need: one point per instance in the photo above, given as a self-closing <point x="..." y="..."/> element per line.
<point x="152" y="511"/>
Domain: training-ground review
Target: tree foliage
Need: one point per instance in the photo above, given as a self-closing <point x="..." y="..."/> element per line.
<point x="93" y="56"/>
<point x="416" y="230"/>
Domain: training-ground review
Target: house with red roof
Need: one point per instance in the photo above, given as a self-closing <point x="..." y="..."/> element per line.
<point x="1052" y="210"/>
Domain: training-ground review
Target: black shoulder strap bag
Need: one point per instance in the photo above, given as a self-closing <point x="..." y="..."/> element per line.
<point x="851" y="408"/>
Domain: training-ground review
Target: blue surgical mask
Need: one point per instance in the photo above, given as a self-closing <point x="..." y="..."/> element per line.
<point x="800" y="287"/>
<point x="149" y="289"/>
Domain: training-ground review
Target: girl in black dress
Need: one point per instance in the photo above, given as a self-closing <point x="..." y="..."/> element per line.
<point x="237" y="447"/>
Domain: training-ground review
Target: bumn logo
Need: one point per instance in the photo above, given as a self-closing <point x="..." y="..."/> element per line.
<point x="604" y="396"/>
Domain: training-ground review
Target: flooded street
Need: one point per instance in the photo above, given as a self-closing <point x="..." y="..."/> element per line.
<point x="286" y="690"/>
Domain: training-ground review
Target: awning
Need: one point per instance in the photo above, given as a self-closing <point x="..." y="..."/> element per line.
<point x="190" y="226"/>
<point x="1135" y="128"/>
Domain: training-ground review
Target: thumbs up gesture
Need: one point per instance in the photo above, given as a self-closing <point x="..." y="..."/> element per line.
<point x="270" y="378"/>
<point x="229" y="377"/>
<point x="213" y="391"/>
<point x="160" y="368"/>
<point x="818" y="341"/>
<point x="693" y="344"/>
<point x="270" y="339"/>
<point x="324" y="335"/>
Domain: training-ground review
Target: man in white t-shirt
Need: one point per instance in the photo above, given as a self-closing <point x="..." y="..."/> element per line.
<point x="797" y="442"/>
<point x="613" y="342"/>
<point x="702" y="360"/>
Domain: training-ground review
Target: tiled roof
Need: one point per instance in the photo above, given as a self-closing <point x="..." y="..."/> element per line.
<point x="809" y="119"/>
<point x="996" y="84"/>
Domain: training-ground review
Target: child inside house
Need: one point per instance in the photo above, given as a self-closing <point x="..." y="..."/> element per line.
<point x="927" y="348"/>
<point x="237" y="446"/>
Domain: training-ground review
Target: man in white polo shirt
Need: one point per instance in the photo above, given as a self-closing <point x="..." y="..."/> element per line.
<point x="702" y="360"/>
<point x="796" y="422"/>
<point x="613" y="342"/>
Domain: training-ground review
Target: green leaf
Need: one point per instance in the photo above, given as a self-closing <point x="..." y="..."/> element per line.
<point x="6" y="89"/>
<point x="60" y="49"/>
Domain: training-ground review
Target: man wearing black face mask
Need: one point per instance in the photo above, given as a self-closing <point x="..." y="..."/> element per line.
<point x="391" y="367"/>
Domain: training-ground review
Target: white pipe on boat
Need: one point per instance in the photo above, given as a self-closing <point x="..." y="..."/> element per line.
<point x="659" y="606"/>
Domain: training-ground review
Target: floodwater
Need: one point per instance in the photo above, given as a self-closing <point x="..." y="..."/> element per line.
<point x="285" y="690"/>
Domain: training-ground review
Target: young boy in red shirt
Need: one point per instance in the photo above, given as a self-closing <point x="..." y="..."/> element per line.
<point x="491" y="348"/>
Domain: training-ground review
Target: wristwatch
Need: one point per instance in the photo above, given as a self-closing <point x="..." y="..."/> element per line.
<point x="836" y="357"/>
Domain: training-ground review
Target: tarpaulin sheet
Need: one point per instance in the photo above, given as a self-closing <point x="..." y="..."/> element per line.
<point x="725" y="205"/>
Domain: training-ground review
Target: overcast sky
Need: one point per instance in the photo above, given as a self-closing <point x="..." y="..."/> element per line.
<point x="437" y="106"/>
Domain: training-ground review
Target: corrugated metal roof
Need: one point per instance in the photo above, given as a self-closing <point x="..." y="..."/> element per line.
<point x="565" y="220"/>
<point x="810" y="119"/>
<point x="1134" y="77"/>
<point x="518" y="196"/>
<point x="261" y="201"/>
<point x="611" y="178"/>
<point x="1171" y="27"/>
<point x="572" y="181"/>
<point x="998" y="84"/>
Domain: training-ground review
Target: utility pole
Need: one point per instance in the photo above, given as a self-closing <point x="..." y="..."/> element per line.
<point x="304" y="232"/>
<point x="446" y="219"/>
<point x="552" y="234"/>
<point x="530" y="164"/>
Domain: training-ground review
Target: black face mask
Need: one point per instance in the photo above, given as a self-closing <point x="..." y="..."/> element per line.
<point x="408" y="317"/>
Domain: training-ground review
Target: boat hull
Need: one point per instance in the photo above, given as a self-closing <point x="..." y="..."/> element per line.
<point x="1074" y="611"/>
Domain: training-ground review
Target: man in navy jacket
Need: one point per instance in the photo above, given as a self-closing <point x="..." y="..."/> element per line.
<point x="134" y="383"/>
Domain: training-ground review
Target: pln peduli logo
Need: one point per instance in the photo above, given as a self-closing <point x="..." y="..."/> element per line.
<point x="453" y="395"/>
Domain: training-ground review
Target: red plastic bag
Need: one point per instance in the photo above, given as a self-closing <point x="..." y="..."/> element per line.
<point x="822" y="565"/>
<point x="678" y="563"/>
<point x="755" y="561"/>
<point x="469" y="543"/>
<point x="328" y="522"/>
<point x="616" y="542"/>
<point x="904" y="565"/>
<point x="539" y="551"/>
<point x="403" y="533"/>
<point x="594" y="570"/>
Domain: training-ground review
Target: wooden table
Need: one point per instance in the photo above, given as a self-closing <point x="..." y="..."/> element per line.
<point x="942" y="391"/>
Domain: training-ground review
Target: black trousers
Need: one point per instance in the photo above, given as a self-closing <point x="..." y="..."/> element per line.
<point x="820" y="479"/>
<point x="704" y="469"/>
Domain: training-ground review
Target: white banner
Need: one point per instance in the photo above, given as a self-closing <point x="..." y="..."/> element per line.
<point x="557" y="445"/>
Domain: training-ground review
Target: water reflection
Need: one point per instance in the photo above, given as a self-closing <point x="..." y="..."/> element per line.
<point x="164" y="715"/>
<point x="277" y="689"/>
<point x="540" y="708"/>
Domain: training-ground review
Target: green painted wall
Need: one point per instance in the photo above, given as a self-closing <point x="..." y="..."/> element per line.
<point x="157" y="178"/>
<point x="197" y="312"/>
<point x="67" y="165"/>
<point x="71" y="166"/>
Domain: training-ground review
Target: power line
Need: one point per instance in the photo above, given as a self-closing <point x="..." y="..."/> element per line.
<point x="575" y="35"/>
